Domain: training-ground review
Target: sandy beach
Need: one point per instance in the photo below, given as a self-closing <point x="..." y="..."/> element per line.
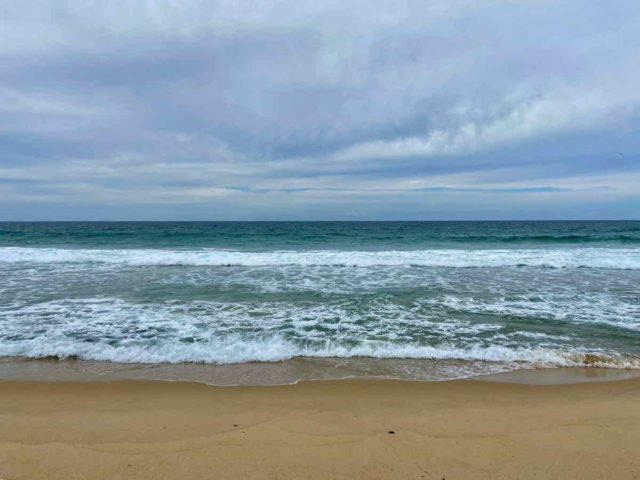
<point x="365" y="429"/>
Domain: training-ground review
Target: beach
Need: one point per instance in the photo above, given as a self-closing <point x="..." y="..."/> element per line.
<point x="348" y="429"/>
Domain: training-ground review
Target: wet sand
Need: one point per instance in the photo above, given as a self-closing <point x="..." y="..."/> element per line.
<point x="323" y="429"/>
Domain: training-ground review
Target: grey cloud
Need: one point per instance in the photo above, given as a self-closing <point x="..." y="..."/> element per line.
<point x="152" y="104"/>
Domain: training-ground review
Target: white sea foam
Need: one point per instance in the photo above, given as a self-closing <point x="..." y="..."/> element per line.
<point x="211" y="332"/>
<point x="606" y="258"/>
<point x="574" y="307"/>
<point x="277" y="349"/>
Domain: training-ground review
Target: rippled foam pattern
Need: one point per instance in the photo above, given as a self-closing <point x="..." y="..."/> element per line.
<point x="528" y="293"/>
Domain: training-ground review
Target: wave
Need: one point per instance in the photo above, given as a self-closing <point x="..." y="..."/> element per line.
<point x="277" y="349"/>
<point x="550" y="239"/>
<point x="109" y="329"/>
<point x="608" y="258"/>
<point x="338" y="325"/>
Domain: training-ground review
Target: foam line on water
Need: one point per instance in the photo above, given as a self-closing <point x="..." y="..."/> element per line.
<point x="606" y="258"/>
<point x="278" y="349"/>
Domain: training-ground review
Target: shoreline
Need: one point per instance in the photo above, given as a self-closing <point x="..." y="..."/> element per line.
<point x="301" y="369"/>
<point x="319" y="429"/>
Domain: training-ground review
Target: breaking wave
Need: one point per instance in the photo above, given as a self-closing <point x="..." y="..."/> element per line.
<point x="606" y="258"/>
<point x="277" y="349"/>
<point x="217" y="333"/>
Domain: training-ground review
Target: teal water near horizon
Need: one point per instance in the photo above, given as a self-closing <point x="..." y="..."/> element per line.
<point x="513" y="294"/>
<point x="323" y="235"/>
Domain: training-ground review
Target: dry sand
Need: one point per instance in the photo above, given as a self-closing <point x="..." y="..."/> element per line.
<point x="323" y="430"/>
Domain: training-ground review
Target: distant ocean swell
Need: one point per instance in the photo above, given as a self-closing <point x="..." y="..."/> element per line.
<point x="551" y="239"/>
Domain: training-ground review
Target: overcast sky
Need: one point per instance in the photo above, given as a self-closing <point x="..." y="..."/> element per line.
<point x="231" y="110"/>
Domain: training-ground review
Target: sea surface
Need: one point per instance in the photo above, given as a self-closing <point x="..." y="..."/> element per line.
<point x="294" y="300"/>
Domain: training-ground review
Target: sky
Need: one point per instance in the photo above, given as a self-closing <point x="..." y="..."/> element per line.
<point x="331" y="110"/>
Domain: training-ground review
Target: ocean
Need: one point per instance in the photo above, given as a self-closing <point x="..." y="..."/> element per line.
<point x="277" y="302"/>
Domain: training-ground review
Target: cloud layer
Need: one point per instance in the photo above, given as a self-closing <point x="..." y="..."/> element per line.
<point x="313" y="110"/>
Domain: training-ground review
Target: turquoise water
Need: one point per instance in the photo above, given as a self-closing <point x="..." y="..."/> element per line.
<point x="319" y="235"/>
<point x="508" y="293"/>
